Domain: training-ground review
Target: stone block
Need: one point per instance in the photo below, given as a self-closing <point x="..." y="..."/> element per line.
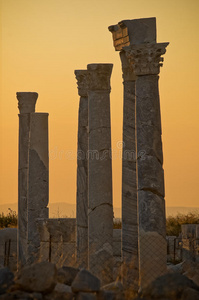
<point x="151" y="212"/>
<point x="151" y="175"/>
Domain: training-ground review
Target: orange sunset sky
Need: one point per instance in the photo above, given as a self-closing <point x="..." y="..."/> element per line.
<point x="44" y="41"/>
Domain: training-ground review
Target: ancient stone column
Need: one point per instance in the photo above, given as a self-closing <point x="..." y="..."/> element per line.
<point x="130" y="268"/>
<point x="100" y="214"/>
<point x="26" y="105"/>
<point x="82" y="172"/>
<point x="125" y="33"/>
<point x="145" y="60"/>
<point x="38" y="180"/>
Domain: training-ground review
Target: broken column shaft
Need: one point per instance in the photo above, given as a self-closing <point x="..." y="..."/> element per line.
<point x="26" y="105"/>
<point x="38" y="180"/>
<point x="100" y="214"/>
<point x="145" y="60"/>
<point x="130" y="268"/>
<point x="82" y="172"/>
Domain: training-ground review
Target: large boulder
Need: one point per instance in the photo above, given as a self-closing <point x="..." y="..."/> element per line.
<point x="169" y="286"/>
<point x="86" y="296"/>
<point x="85" y="282"/>
<point x="21" y="295"/>
<point x="40" y="277"/>
<point x="6" y="280"/>
<point x="66" y="275"/>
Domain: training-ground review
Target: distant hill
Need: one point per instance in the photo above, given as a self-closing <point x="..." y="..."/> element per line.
<point x="62" y="209"/>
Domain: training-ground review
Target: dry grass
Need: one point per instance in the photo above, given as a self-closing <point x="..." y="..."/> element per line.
<point x="9" y="220"/>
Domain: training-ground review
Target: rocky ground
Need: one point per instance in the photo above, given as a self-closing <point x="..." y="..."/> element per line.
<point x="43" y="281"/>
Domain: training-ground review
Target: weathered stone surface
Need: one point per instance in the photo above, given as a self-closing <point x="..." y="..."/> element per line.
<point x="57" y="240"/>
<point x="61" y="229"/>
<point x="26" y="105"/>
<point x="151" y="212"/>
<point x="117" y="242"/>
<point x="40" y="277"/>
<point x="170" y="286"/>
<point x="146" y="58"/>
<point x="191" y="270"/>
<point x="132" y="32"/>
<point x="116" y="288"/>
<point x="100" y="172"/>
<point x="82" y="82"/>
<point x="21" y="295"/>
<point x="151" y="175"/>
<point x="152" y="256"/>
<point x="151" y="206"/>
<point x="150" y="142"/>
<point x="8" y="248"/>
<point x="38" y="193"/>
<point x="62" y="288"/>
<point x="24" y="128"/>
<point x="55" y="295"/>
<point x="147" y="102"/>
<point x="86" y="296"/>
<point x="99" y="76"/>
<point x="129" y="181"/>
<point x="107" y="295"/>
<point x="66" y="275"/>
<point x="99" y="116"/>
<point x="101" y="241"/>
<point x="82" y="171"/>
<point x="85" y="282"/>
<point x="190" y="294"/>
<point x="6" y="280"/>
<point x="127" y="72"/>
<point x="27" y="101"/>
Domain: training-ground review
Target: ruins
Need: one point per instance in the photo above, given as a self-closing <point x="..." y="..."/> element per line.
<point x="138" y="253"/>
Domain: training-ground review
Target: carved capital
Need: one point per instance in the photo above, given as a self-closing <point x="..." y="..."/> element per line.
<point x="27" y="101"/>
<point x="99" y="76"/>
<point x="82" y="82"/>
<point x="145" y="59"/>
<point x="127" y="70"/>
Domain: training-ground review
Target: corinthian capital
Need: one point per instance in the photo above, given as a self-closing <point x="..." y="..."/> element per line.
<point x="26" y="101"/>
<point x="82" y="82"/>
<point x="99" y="76"/>
<point x="145" y="59"/>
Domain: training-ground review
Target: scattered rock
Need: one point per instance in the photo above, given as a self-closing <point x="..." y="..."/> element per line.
<point x="85" y="282"/>
<point x="175" y="268"/>
<point x="40" y="277"/>
<point x="191" y="270"/>
<point x="20" y="295"/>
<point x="62" y="288"/>
<point x="66" y="275"/>
<point x="169" y="286"/>
<point x="190" y="294"/>
<point x="6" y="279"/>
<point x="107" y="295"/>
<point x="59" y="296"/>
<point x="86" y="296"/>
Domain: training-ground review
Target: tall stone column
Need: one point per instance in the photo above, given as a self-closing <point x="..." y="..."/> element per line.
<point x="26" y="105"/>
<point x="125" y="33"/>
<point x="38" y="180"/>
<point x="130" y="268"/>
<point x="100" y="215"/>
<point x="82" y="172"/>
<point x="145" y="60"/>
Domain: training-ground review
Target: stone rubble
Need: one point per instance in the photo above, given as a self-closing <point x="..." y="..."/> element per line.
<point x="41" y="281"/>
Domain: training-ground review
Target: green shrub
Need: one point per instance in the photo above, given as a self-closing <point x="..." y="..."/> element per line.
<point x="173" y="224"/>
<point x="9" y="220"/>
